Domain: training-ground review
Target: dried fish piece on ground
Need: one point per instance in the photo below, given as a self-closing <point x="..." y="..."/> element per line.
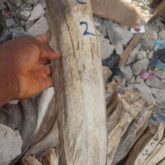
<point x="51" y="158"/>
<point x="129" y="106"/>
<point x="149" y="148"/>
<point x="134" y="131"/>
<point x="146" y="137"/>
<point x="157" y="155"/>
<point x="162" y="162"/>
<point x="31" y="160"/>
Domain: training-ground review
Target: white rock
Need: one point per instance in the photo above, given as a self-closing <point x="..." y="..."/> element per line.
<point x="149" y="38"/>
<point x="139" y="80"/>
<point x="118" y="78"/>
<point x="162" y="35"/>
<point x="139" y="66"/>
<point x="132" y="81"/>
<point x="155" y="83"/>
<point x="155" y="35"/>
<point x="43" y="3"/>
<point x="102" y="29"/>
<point x="16" y="2"/>
<point x="127" y="72"/>
<point x="10" y="22"/>
<point x="106" y="73"/>
<point x="141" y="55"/>
<point x="97" y="21"/>
<point x="158" y="94"/>
<point x="146" y="92"/>
<point x="150" y="55"/>
<point x="106" y="48"/>
<point x="159" y="24"/>
<point x="138" y="46"/>
<point x="148" y="44"/>
<point x="24" y="14"/>
<point x="10" y="144"/>
<point x="124" y="34"/>
<point x="150" y="33"/>
<point x="37" y="13"/>
<point x="39" y="27"/>
<point x="119" y="48"/>
<point x="32" y="2"/>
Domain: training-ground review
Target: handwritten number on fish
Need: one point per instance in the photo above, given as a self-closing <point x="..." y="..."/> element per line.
<point x="86" y="32"/>
<point x="81" y="2"/>
<point x="145" y="153"/>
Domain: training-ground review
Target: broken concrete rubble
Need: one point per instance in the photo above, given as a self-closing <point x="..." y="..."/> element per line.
<point x="139" y="66"/>
<point x="36" y="13"/>
<point x="39" y="27"/>
<point x="127" y="72"/>
<point x="141" y="55"/>
<point x="106" y="48"/>
<point x="24" y="14"/>
<point x="10" y="144"/>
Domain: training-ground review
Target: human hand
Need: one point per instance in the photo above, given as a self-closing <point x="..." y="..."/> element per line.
<point x="23" y="67"/>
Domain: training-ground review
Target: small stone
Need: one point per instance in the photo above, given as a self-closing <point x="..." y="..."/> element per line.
<point x="139" y="66"/>
<point x="10" y="22"/>
<point x="107" y="73"/>
<point x="150" y="55"/>
<point x="102" y="29"/>
<point x="118" y="78"/>
<point x="158" y="94"/>
<point x="39" y="27"/>
<point x="132" y="81"/>
<point x="150" y="33"/>
<point x="2" y="6"/>
<point x="159" y="24"/>
<point x="124" y="34"/>
<point x="24" y="14"/>
<point x="37" y="13"/>
<point x="28" y="25"/>
<point x="146" y="92"/>
<point x="97" y="22"/>
<point x="17" y="3"/>
<point x="138" y="46"/>
<point x="43" y="3"/>
<point x="127" y="72"/>
<point x="106" y="48"/>
<point x="139" y="80"/>
<point x="162" y="35"/>
<point x="27" y="7"/>
<point x="119" y="48"/>
<point x="155" y="35"/>
<point x="148" y="44"/>
<point x="141" y="55"/>
<point x="155" y="83"/>
<point x="32" y="2"/>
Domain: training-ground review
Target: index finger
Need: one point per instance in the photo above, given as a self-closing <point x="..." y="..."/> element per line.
<point x="49" y="54"/>
<point x="42" y="38"/>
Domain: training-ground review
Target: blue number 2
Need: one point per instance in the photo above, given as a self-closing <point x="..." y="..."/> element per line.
<point x="81" y="2"/>
<point x="86" y="32"/>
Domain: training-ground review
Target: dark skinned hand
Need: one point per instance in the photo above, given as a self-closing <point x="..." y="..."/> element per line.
<point x="23" y="67"/>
